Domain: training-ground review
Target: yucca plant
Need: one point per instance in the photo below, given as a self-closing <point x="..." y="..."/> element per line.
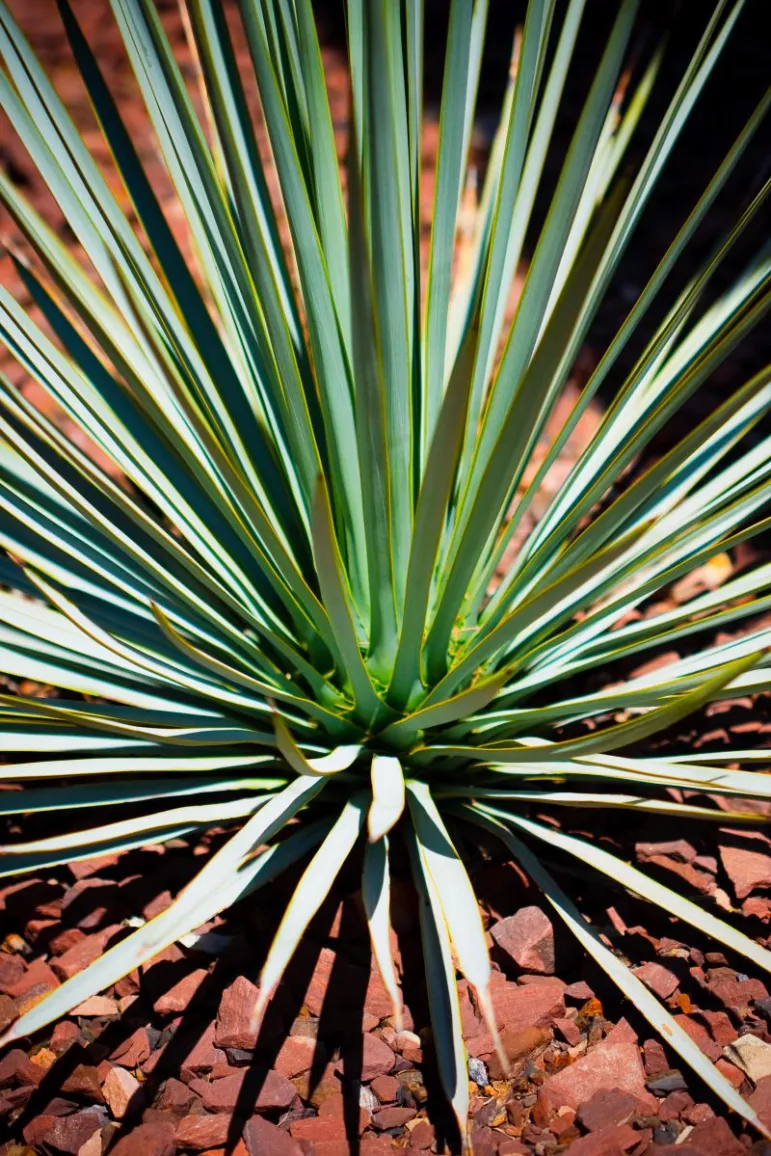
<point x="280" y="609"/>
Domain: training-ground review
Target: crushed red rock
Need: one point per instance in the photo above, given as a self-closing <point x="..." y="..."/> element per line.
<point x="182" y="1071"/>
<point x="527" y="938"/>
<point x="748" y="866"/>
<point x="166" y="1062"/>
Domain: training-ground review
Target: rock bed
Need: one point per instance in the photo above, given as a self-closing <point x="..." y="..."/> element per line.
<point x="164" y="1062"/>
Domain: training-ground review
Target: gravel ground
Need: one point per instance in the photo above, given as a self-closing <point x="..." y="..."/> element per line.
<point x="164" y="1062"/>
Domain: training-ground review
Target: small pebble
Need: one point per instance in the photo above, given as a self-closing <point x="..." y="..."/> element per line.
<point x="478" y="1072"/>
<point x="666" y="1133"/>
<point x="368" y="1099"/>
<point x="666" y="1082"/>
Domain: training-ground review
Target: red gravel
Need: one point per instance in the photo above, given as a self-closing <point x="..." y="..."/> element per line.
<point x="165" y="1063"/>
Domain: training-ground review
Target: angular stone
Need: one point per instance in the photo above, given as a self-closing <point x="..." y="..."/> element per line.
<point x="521" y="1042"/>
<point x="133" y="1052"/>
<point x="519" y="1006"/>
<point x="676" y="848"/>
<point x="176" y="1096"/>
<point x="758" y="906"/>
<point x="712" y="1138"/>
<point x="325" y="1085"/>
<point x="609" y="1066"/>
<point x="622" y="1032"/>
<point x="318" y="1130"/>
<point x="82" y="868"/>
<point x="233" y="1029"/>
<point x="484" y="1142"/>
<point x="666" y="1082"/>
<point x="527" y="937"/>
<point x="377" y="1001"/>
<point x="93" y="1145"/>
<point x="96" y="1006"/>
<point x="64" y="1035"/>
<point x="201" y="1132"/>
<point x="83" y="1081"/>
<point x="393" y="1117"/>
<point x="203" y="1055"/>
<point x="751" y="1054"/>
<point x="377" y="1058"/>
<point x="43" y="1058"/>
<point x="353" y="985"/>
<point x="119" y="1090"/>
<point x="674" y="1106"/>
<point x="609" y="1142"/>
<point x="371" y="1145"/>
<point x="265" y="1139"/>
<point x="304" y="1026"/>
<point x="176" y="1000"/>
<point x="37" y="976"/>
<point x="701" y="881"/>
<point x="386" y="1088"/>
<point x="760" y="1100"/>
<point x="83" y="953"/>
<point x="569" y="1030"/>
<point x="91" y="901"/>
<point x="736" y="993"/>
<point x="720" y="1025"/>
<point x="733" y="1074"/>
<point x="747" y="869"/>
<point x="423" y="1136"/>
<point x="65" y="939"/>
<point x="222" y="1095"/>
<point x="295" y="1056"/>
<point x="658" y="978"/>
<point x="64" y="1134"/>
<point x="608" y="1108"/>
<point x="319" y="981"/>
<point x="564" y="1126"/>
<point x="530" y="979"/>
<point x="8" y="1012"/>
<point x="12" y="969"/>
<point x="579" y="991"/>
<point x="239" y="1057"/>
<point x="17" y="1068"/>
<point x="477" y="1071"/>
<point x="334" y="1108"/>
<point x="155" y="1057"/>
<point x="699" y="1114"/>
<point x="700" y="1035"/>
<point x="25" y="895"/>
